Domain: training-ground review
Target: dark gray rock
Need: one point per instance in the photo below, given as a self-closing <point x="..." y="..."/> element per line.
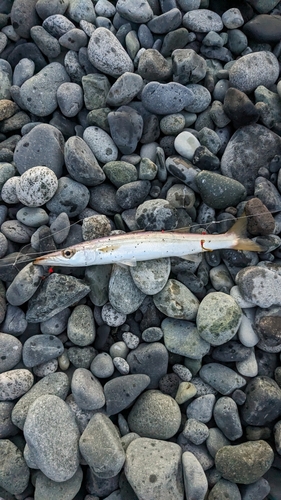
<point x="153" y="66"/>
<point x="168" y="21"/>
<point x="166" y="98"/>
<point x="57" y="24"/>
<point x="219" y="191"/>
<point x="14" y="473"/>
<point x="120" y="392"/>
<point x="263" y="402"/>
<point x="151" y="360"/>
<point x="239" y="108"/>
<point x="188" y="67"/>
<point x="81" y="162"/>
<point x="268" y="194"/>
<point x="47" y="43"/>
<point x="39" y="349"/>
<point x="132" y="194"/>
<point x="71" y="197"/>
<point x="264" y="28"/>
<point x="7" y="428"/>
<point x="227" y="418"/>
<point x="46" y="488"/>
<point x="126" y="126"/>
<point x="24" y="16"/>
<point x="11" y="349"/>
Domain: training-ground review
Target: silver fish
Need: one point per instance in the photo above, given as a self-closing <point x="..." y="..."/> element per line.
<point x="129" y="248"/>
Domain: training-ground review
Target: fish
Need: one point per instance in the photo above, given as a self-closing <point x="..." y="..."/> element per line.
<point x="129" y="248"/>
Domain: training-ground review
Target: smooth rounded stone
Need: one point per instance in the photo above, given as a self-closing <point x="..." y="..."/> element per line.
<point x="218" y="318"/>
<point x="36" y="186"/>
<point x="132" y="194"/>
<point x="11" y="349"/>
<point x="47" y="43"/>
<point x="7" y="428"/>
<point x="120" y="392"/>
<point x="152" y="334"/>
<point x="248" y="367"/>
<point x="43" y="145"/>
<point x="176" y="301"/>
<point x="81" y="163"/>
<point x="3" y="245"/>
<point x="263" y="28"/>
<point x="70" y="99"/>
<point x="24" y="284"/>
<point x="15" y="322"/>
<point x="230" y="352"/>
<point x="237" y="41"/>
<point x="183" y="170"/>
<point x="104" y="8"/>
<point x="46" y="488"/>
<point x="16" y="231"/>
<point x="268" y="103"/>
<point x="52" y="435"/>
<point x="259" y="285"/>
<point x="166" y="22"/>
<point x="124" y="89"/>
<point x="261" y="221"/>
<point x="7" y="109"/>
<point x="121" y="365"/>
<point x="40" y="349"/>
<point x="232" y="18"/>
<point x="124" y="296"/>
<point x="106" y="54"/>
<point x="149" y="359"/>
<point x="172" y="124"/>
<point x="202" y="98"/>
<point x="102" y="366"/>
<point x="153" y="468"/>
<point x="57" y="292"/>
<point x="201" y="408"/>
<point x="239" y="108"/>
<point x="120" y="172"/>
<point x="15" y="383"/>
<point x="189" y="68"/>
<point x="46" y="8"/>
<point x="220" y="90"/>
<point x="195" y="481"/>
<point x="156" y="215"/>
<point x="9" y="190"/>
<point x="224" y="489"/>
<point x="219" y="191"/>
<point x="98" y="278"/>
<point x="56" y="384"/>
<point x="101" y="447"/>
<point x="32" y="216"/>
<point x="137" y="11"/>
<point x="196" y="431"/>
<point x="87" y="390"/>
<point x="153" y="66"/>
<point x="60" y="228"/>
<point x="218" y="115"/>
<point x="81" y="327"/>
<point x="15" y="122"/>
<point x="216" y="440"/>
<point x="220" y="377"/>
<point x="81" y="357"/>
<point x="267" y="326"/>
<point x="244" y="463"/>
<point x="71" y="197"/>
<point x="182" y="371"/>
<point x="186" y="144"/>
<point x="268" y="194"/>
<point x="185" y="392"/>
<point x="74" y="39"/>
<point x="118" y="349"/>
<point x="220" y="278"/>
<point x="180" y="196"/>
<point x="78" y="11"/>
<point x="46" y="368"/>
<point x="199" y="451"/>
<point x="263" y="401"/>
<point x="151" y="276"/>
<point x="155" y="415"/>
<point x="101" y="144"/>
<point x="42" y="84"/>
<point x="166" y="98"/>
<point x="202" y="21"/>
<point x="111" y="317"/>
<point x="259" y="490"/>
<point x="181" y="337"/>
<point x="227" y="418"/>
<point x="96" y="88"/>
<point x="252" y="70"/>
<point x="23" y="17"/>
<point x="126" y="126"/>
<point x="14" y="472"/>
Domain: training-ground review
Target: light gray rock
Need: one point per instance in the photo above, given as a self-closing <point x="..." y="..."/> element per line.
<point x="11" y="349"/>
<point x="137" y="11"/>
<point x="223" y="379"/>
<point x="124" y="296"/>
<point x="87" y="390"/>
<point x="14" y="473"/>
<point x="101" y="144"/>
<point x="106" y="53"/>
<point x="176" y="301"/>
<point x="202" y="21"/>
<point x="36" y="186"/>
<point x="15" y="383"/>
<point x="41" y="348"/>
<point x="227" y="418"/>
<point x="123" y="91"/>
<point x="45" y="488"/>
<point x="151" y="276"/>
<point x="81" y="326"/>
<point x="260" y="285"/>
<point x="182" y="337"/>
<point x="70" y="197"/>
<point x="252" y="70"/>
<point x="201" y="408"/>
<point x="195" y="481"/>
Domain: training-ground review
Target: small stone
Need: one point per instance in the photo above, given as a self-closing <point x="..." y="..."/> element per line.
<point x="131" y="340"/>
<point x="96" y="88"/>
<point x="52" y="436"/>
<point x="264" y="28"/>
<point x="126" y="126"/>
<point x="227" y="418"/>
<point x="14" y="472"/>
<point x="201" y="408"/>
<point x="244" y="463"/>
<point x="87" y="390"/>
<point x="153" y="66"/>
<point x="102" y="366"/>
<point x="46" y="488"/>
<point x="118" y="349"/>
<point x="259" y="285"/>
<point x="166" y="98"/>
<point x="70" y="99"/>
<point x="81" y="327"/>
<point x="60" y="228"/>
<point x="11" y="349"/>
<point x="202" y="21"/>
<point x="121" y="365"/>
<point x="124" y="89"/>
<point x="101" y="144"/>
<point x="166" y="22"/>
<point x="225" y="489"/>
<point x="195" y="431"/>
<point x="81" y="163"/>
<point x="195" y="481"/>
<point x="181" y="337"/>
<point x="101" y="447"/>
<point x="40" y="349"/>
<point x="223" y="379"/>
<point x="111" y="316"/>
<point x="24" y="285"/>
<point x="219" y="191"/>
<point x="23" y="17"/>
<point x="262" y="402"/>
<point x="186" y="144"/>
<point x="216" y="440"/>
<point x="252" y="70"/>
<point x="189" y="67"/>
<point x="136" y="11"/>
<point x="152" y="334"/>
<point x="149" y="359"/>
<point x="122" y="391"/>
<point x="15" y="383"/>
<point x="70" y="197"/>
<point x="107" y="54"/>
<point x="81" y="357"/>
<point x="124" y="296"/>
<point x="37" y="186"/>
<point x="232" y="18"/>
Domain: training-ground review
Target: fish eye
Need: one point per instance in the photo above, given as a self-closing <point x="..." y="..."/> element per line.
<point x="68" y="253"/>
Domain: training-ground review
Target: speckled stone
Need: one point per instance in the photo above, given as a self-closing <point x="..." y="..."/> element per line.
<point x="124" y="295"/>
<point x="70" y="197"/>
<point x="195" y="481"/>
<point x="11" y="349"/>
<point x="36" y="186"/>
<point x="101" y="144"/>
<point x="220" y="377"/>
<point x="15" y="383"/>
<point x="252" y="70"/>
<point x="176" y="301"/>
<point x="149" y="359"/>
<point x="41" y="348"/>
<point x="166" y="98"/>
<point x="260" y="285"/>
<point x="124" y="89"/>
<point x="202" y="21"/>
<point x="81" y="327"/>
<point x="87" y="390"/>
<point x="14" y="472"/>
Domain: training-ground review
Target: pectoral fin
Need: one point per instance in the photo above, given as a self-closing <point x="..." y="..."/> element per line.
<point x="125" y="263"/>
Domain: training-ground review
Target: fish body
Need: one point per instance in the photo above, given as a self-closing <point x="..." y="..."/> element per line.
<point x="129" y="248"/>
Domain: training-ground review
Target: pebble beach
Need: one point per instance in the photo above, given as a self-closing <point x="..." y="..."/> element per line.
<point x="161" y="380"/>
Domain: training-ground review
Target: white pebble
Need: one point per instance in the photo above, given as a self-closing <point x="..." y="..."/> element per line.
<point x="249" y="366"/>
<point x="240" y="301"/>
<point x="112" y="317"/>
<point x="131" y="340"/>
<point x="9" y="190"/>
<point x="121" y="365"/>
<point x="246" y="333"/>
<point x="186" y="144"/>
<point x="232" y="18"/>
<point x="37" y="186"/>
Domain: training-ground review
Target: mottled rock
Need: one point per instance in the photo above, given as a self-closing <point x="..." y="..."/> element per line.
<point x="106" y="53"/>
<point x="263" y="401"/>
<point x="15" y="383"/>
<point x="182" y="337"/>
<point x="252" y="70"/>
<point x="14" y="473"/>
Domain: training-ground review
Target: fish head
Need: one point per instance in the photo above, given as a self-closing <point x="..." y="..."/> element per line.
<point x="68" y="257"/>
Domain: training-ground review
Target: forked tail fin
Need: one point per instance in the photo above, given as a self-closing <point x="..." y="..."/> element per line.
<point x="239" y="230"/>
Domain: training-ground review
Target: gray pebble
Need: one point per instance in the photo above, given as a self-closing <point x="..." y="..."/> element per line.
<point x="101" y="447"/>
<point x="183" y="372"/>
<point x="197" y="432"/>
<point x="210" y="139"/>
<point x="40" y="349"/>
<point x="172" y="124"/>
<point x="227" y="418"/>
<point x="3" y="245"/>
<point x="74" y="39"/>
<point x="202" y="21"/>
<point x="124" y="89"/>
<point x="15" y="322"/>
<point x="111" y="316"/>
<point x="189" y="67"/>
<point x="102" y="367"/>
<point x="44" y="84"/>
<point x="137" y="11"/>
<point x="149" y="359"/>
<point x="15" y="383"/>
<point x="219" y="191"/>
<point x="78" y="11"/>
<point x="60" y="227"/>
<point x="57" y="25"/>
<point x="151" y="276"/>
<point x="107" y="54"/>
<point x="43" y="145"/>
<point x="47" y="43"/>
<point x="47" y="8"/>
<point x="81" y="327"/>
<point x="126" y="126"/>
<point x="16" y="231"/>
<point x="7" y="428"/>
<point x="152" y="66"/>
<point x="237" y="41"/>
<point x="70" y="99"/>
<point x="57" y="324"/>
<point x="131" y="340"/>
<point x="46" y="368"/>
<point x="202" y="98"/>
<point x="262" y="402"/>
<point x="15" y="473"/>
<point x="52" y="435"/>
<point x="81" y="357"/>
<point x="122" y="391"/>
<point x="218" y="115"/>
<point x="181" y="337"/>
<point x="257" y="490"/>
<point x="57" y="292"/>
<point x="71" y="197"/>
<point x="195" y="481"/>
<point x="23" y="71"/>
<point x="96" y="88"/>
<point x="118" y="349"/>
<point x="155" y="415"/>
<point x="201" y="408"/>
<point x="25" y="284"/>
<point x="87" y="390"/>
<point x="225" y="489"/>
<point x="81" y="162"/>
<point x="121" y="365"/>
<point x="223" y="379"/>
<point x="98" y="278"/>
<point x="132" y="194"/>
<point x="104" y="8"/>
<point x="32" y="216"/>
<point x="216" y="440"/>
<point x="252" y="70"/>
<point x="47" y="488"/>
<point x="11" y="349"/>
<point x="56" y="384"/>
<point x="101" y="144"/>
<point x="166" y="98"/>
<point x="259" y="285"/>
<point x="176" y="301"/>
<point x="152" y="334"/>
<point x="168" y="21"/>
<point x="124" y="296"/>
<point x="156" y="215"/>
<point x="183" y="170"/>
<point x="120" y="172"/>
<point x="199" y="451"/>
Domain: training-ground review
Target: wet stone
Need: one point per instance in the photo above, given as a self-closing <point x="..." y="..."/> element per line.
<point x="15" y="383"/>
<point x="176" y="301"/>
<point x="244" y="463"/>
<point x="155" y="415"/>
<point x="14" y="472"/>
<point x="220" y="377"/>
<point x="166" y="98"/>
<point x="227" y="418"/>
<point x="11" y="349"/>
<point x="122" y="391"/>
<point x="71" y="197"/>
<point x="52" y="436"/>
<point x="149" y="359"/>
<point x="87" y="390"/>
<point x="56" y="384"/>
<point x="159" y="461"/>
<point x="181" y="337"/>
<point x="101" y="447"/>
<point x="126" y="126"/>
<point x="81" y="327"/>
<point x="43" y="145"/>
<point x="56" y="293"/>
<point x="262" y="404"/>
<point x="252" y="70"/>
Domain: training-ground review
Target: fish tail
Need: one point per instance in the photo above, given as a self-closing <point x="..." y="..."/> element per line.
<point x="239" y="231"/>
